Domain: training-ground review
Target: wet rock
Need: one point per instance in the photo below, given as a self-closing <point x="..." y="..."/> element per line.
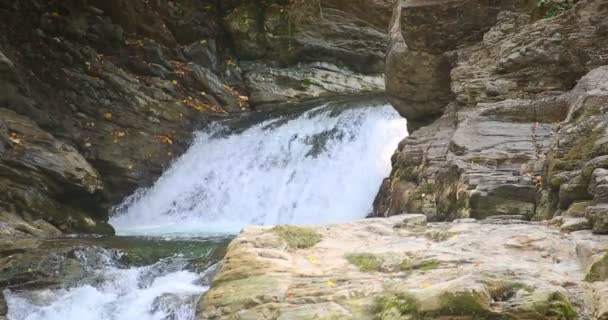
<point x="169" y="304"/>
<point x="213" y="85"/>
<point x="306" y="81"/>
<point x="260" y="278"/>
<point x="44" y="178"/>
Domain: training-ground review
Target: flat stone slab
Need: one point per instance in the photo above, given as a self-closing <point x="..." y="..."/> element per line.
<point x="404" y="268"/>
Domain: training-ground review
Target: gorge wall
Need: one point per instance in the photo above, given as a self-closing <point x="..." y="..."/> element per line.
<point x="97" y="97"/>
<point x="507" y="104"/>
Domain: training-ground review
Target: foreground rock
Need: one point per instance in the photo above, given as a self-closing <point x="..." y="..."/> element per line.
<point x="404" y="268"/>
<point x="508" y="112"/>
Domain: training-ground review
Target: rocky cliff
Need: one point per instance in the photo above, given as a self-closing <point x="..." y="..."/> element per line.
<point x="97" y="97"/>
<point x="506" y="103"/>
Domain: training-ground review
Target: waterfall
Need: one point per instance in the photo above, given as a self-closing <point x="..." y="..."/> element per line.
<point x="324" y="165"/>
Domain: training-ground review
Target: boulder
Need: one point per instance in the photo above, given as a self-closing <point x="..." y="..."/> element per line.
<point x="402" y="268"/>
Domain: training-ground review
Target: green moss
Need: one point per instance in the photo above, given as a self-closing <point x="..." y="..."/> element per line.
<point x="297" y="237"/>
<point x="425" y="265"/>
<point x="424" y="189"/>
<point x="391" y="306"/>
<point x="366" y="262"/>
<point x="308" y="83"/>
<point x="582" y="147"/>
<point x="464" y="304"/>
<point x="558" y="307"/>
<point x="598" y="270"/>
<point x="438" y="235"/>
<point x="551" y="8"/>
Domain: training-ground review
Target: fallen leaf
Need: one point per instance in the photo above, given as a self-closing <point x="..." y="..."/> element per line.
<point x="13" y="138"/>
<point x="165" y="139"/>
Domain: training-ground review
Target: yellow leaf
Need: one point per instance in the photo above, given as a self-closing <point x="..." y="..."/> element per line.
<point x="331" y="283"/>
<point x="107" y="116"/>
<point x="312" y="260"/>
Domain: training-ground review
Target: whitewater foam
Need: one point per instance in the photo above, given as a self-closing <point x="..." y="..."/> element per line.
<point x="323" y="166"/>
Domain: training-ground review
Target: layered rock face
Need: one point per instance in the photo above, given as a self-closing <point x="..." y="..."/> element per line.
<point x="97" y="97"/>
<point x="403" y="268"/>
<point x="507" y="103"/>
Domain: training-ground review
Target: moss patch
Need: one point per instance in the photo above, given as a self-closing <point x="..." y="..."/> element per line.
<point x="598" y="271"/>
<point x="425" y="265"/>
<point x="392" y="306"/>
<point x="464" y="303"/>
<point x="366" y="262"/>
<point x="438" y="235"/>
<point x="297" y="237"/>
<point x="557" y="307"/>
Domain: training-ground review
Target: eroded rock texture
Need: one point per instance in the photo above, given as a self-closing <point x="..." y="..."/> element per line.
<point x="97" y="97"/>
<point x="403" y="268"/>
<point x="507" y="106"/>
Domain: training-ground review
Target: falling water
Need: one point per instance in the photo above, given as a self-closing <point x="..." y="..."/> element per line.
<point x="323" y="166"/>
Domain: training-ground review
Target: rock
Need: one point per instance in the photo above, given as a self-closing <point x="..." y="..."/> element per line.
<point x="533" y="273"/>
<point x="44" y="178"/>
<point x="213" y="85"/>
<point x="505" y="124"/>
<point x="169" y="304"/>
<point x="306" y="81"/>
<point x="204" y="53"/>
<point x="335" y="31"/>
<point x="574" y="224"/>
<point x="598" y="218"/>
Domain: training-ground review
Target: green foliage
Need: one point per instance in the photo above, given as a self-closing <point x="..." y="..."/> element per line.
<point x="425" y="265"/>
<point x="551" y="8"/>
<point x="366" y="262"/>
<point x="559" y="307"/>
<point x="391" y="306"/>
<point x="464" y="304"/>
<point x="297" y="237"/>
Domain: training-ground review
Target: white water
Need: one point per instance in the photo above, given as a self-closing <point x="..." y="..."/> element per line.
<point x="267" y="175"/>
<point x="115" y="294"/>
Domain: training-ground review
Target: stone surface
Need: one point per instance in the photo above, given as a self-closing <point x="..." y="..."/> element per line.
<point x="305" y="81"/>
<point x="123" y="84"/>
<point x="507" y="119"/>
<point x="435" y="270"/>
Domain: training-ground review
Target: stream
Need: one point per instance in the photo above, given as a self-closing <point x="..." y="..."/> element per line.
<point x="317" y="166"/>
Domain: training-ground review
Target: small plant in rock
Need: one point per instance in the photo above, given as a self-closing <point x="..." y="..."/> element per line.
<point x="297" y="237"/>
<point x="552" y="8"/>
<point x="366" y="262"/>
<point x="396" y="304"/>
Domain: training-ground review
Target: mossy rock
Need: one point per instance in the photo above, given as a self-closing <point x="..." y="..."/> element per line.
<point x="297" y="237"/>
<point x="465" y="304"/>
<point x="598" y="270"/>
<point x="424" y="265"/>
<point x="366" y="262"/>
<point x="557" y="306"/>
<point x="396" y="306"/>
